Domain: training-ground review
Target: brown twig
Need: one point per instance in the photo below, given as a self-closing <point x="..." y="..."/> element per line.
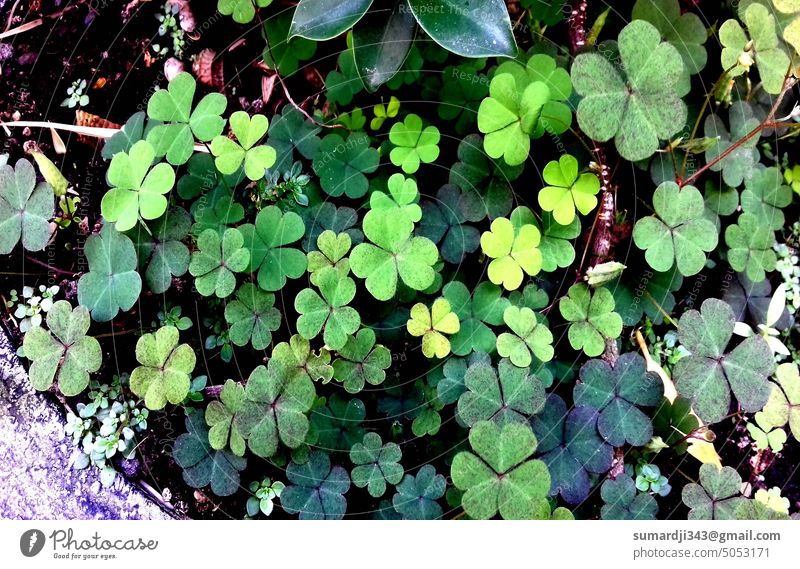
<point x="50" y="268"/>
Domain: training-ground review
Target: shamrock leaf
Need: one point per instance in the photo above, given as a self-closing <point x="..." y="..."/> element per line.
<point x="750" y="243"/>
<point x="476" y="312"/>
<point x="678" y="233"/>
<point x="556" y="244"/>
<point x="651" y="294"/>
<point x="219" y="417"/>
<point x="765" y="196"/>
<point x="400" y="202"/>
<point x="716" y="497"/>
<point x="461" y="95"/>
<point x="344" y="83"/>
<point x="266" y="239"/>
<point x="337" y="426"/>
<point x="203" y="465"/>
<point x="443" y="223"/>
<point x="181" y="125"/>
<point x="216" y="210"/>
<point x="331" y="252"/>
<point x="783" y="405"/>
<point x="509" y="395"/>
<point x="499" y="476"/>
<point x="617" y="393"/>
<point x="528" y="338"/>
<point x="709" y="374"/>
<point x="592" y="317"/>
<point x="65" y="353"/>
<point x="274" y="409"/>
<point x="25" y="208"/>
<point x="765" y="436"/>
<point x="513" y="249"/>
<point x="291" y="131"/>
<point x="112" y="283"/>
<point x="342" y="163"/>
<point x="416" y="495"/>
<point x="316" y="491"/>
<point x="738" y="164"/>
<point x="383" y="112"/>
<point x="217" y="259"/>
<point x="242" y="11"/>
<point x="361" y="361"/>
<point x="326" y="216"/>
<point x="162" y="251"/>
<point x="750" y="301"/>
<point x="432" y="324"/>
<point x="567" y="191"/>
<point x="451" y="385"/>
<point x="298" y="359"/>
<point x="623" y="503"/>
<point x="136" y="190"/>
<point x="248" y="131"/>
<point x="639" y="109"/>
<point x="252" y="317"/>
<point x="329" y="311"/>
<point x="131" y="132"/>
<point x="283" y="53"/>
<point x="413" y="144"/>
<point x="166" y="367"/>
<point x="571" y="448"/>
<point x="685" y="31"/>
<point x="376" y="464"/>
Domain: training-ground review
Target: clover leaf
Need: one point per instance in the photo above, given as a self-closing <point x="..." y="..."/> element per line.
<point x="331" y="252"/>
<point x="328" y="312"/>
<point x="296" y="357"/>
<point x="512" y="250"/>
<point x="25" y="208"/>
<point x="678" y="233"/>
<point x="242" y="11"/>
<point x="592" y="317"/>
<point x="432" y="324"/>
<point x="783" y="405"/>
<point x="344" y="83"/>
<point x="291" y="131"/>
<point x="765" y="195"/>
<point x="765" y="435"/>
<point x="528" y="338"/>
<point x="166" y="367"/>
<point x="341" y="164"/>
<point x="64" y="353"/>
<point x="709" y="374"/>
<point x="617" y="393"/>
<point x="750" y="243"/>
<point x="230" y="154"/>
<point x="556" y="244"/>
<point x="219" y="417"/>
<point x="623" y="503"/>
<point x="137" y="191"/>
<point x="416" y="497"/>
<point x="181" y="125"/>
<point x="461" y="95"/>
<point x="716" y="497"/>
<point x="376" y="464"/>
<point x="510" y="394"/>
<point x="284" y="53"/>
<point x="443" y="223"/>
<point x="571" y="448"/>
<point x="217" y="259"/>
<point x="739" y="163"/>
<point x="476" y="311"/>
<point x="316" y="490"/>
<point x="217" y="210"/>
<point x="203" y="465"/>
<point x="400" y="202"/>
<point x="498" y="477"/>
<point x="112" y="283"/>
<point x="337" y="426"/>
<point x="450" y="386"/>
<point x="651" y="294"/>
<point x="361" y="361"/>
<point x="326" y="216"/>
<point x="131" y="132"/>
<point x="639" y="108"/>
<point x="252" y="317"/>
<point x="413" y="144"/>
<point x="162" y="251"/>
<point x="266" y="240"/>
<point x="567" y="191"/>
<point x="275" y="407"/>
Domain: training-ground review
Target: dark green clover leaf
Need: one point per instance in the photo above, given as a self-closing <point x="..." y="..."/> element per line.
<point x="131" y="132"/>
<point x="476" y="312"/>
<point x="283" y="53"/>
<point x="750" y="242"/>
<point x="709" y="374"/>
<point x="528" y="338"/>
<point x="376" y="464"/>
<point x="316" y="491"/>
<point x="266" y="240"/>
<point x="531" y="297"/>
<point x="443" y="223"/>
<point x="164" y="375"/>
<point x="25" y="208"/>
<point x="618" y="393"/>
<point x="623" y="503"/>
<point x="738" y="164"/>
<point x="678" y="233"/>
<point x="343" y="84"/>
<point x="64" y="353"/>
<point x="451" y="384"/>
<point x="342" y="163"/>
<point x="252" y="317"/>
<point x="216" y="210"/>
<point x="461" y="95"/>
<point x="750" y="301"/>
<point x="328" y="312"/>
<point x="291" y="131"/>
<point x="498" y="477"/>
<point x="556" y="244"/>
<point x="765" y="195"/>
<point x="592" y="317"/>
<point x="337" y="426"/>
<point x="296" y="357"/>
<point x="327" y="216"/>
<point x="649" y="293"/>
<point x="639" y="108"/>
<point x="230" y="155"/>
<point x="716" y="497"/>
<point x="219" y="417"/>
<point x="217" y="259"/>
<point x="416" y="497"/>
<point x="112" y="283"/>
<point x="413" y="144"/>
<point x="162" y="251"/>
<point x="361" y="361"/>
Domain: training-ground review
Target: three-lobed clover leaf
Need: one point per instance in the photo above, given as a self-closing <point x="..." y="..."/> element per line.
<point x="64" y="353"/>
<point x="476" y="311"/>
<point x="451" y="385"/>
<point x="783" y="405"/>
<point x="25" y="208"/>
<point x="181" y="125"/>
<point x="252" y="317"/>
<point x="639" y="108"/>
<point x="510" y="394"/>
<point x="361" y="361"/>
<point x="513" y="250"/>
<point x="164" y="373"/>
<point x="162" y="250"/>
<point x="291" y="131"/>
<point x="337" y="425"/>
<point x="326" y="216"/>
<point x="297" y="357"/>
<point x="217" y="259"/>
<point x="400" y="202"/>
<point x="219" y="416"/>
<point x="331" y="253"/>
<point x="137" y="191"/>
<point x="617" y="393"/>
<point x="739" y="162"/>
<point x="443" y="222"/>
<point x="765" y="195"/>
<point x="417" y="495"/>
<point x="567" y="190"/>
<point x="432" y="324"/>
<point x="709" y="374"/>
<point x="413" y="144"/>
<point x="716" y="497"/>
<point x="112" y="283"/>
<point x="592" y="318"/>
<point x="623" y="503"/>
<point x="341" y="164"/>
<point x="316" y="490"/>
<point x="376" y="464"/>
<point x="242" y="11"/>
<point x="231" y="154"/>
<point x="328" y="312"/>
<point x="498" y="477"/>
<point x="217" y="210"/>
<point x="528" y="338"/>
<point x="679" y="232"/>
<point x="557" y="242"/>
<point x="284" y="53"/>
<point x="750" y="242"/>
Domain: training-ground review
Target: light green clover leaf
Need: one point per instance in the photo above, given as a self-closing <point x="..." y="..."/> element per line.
<point x="328" y="312"/>
<point x="568" y="191"/>
<point x="219" y="416"/>
<point x="164" y="375"/>
<point x="750" y="243"/>
<point x="432" y="324"/>
<point x="765" y="195"/>
<point x="592" y="317"/>
<point x="217" y="259"/>
<point x="376" y="464"/>
<point x="783" y="405"/>
<point x="230" y="154"/>
<point x="512" y="250"/>
<point x="413" y="144"/>
<point x="331" y="252"/>
<point x="242" y="11"/>
<point x="25" y="208"/>
<point x="528" y="338"/>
